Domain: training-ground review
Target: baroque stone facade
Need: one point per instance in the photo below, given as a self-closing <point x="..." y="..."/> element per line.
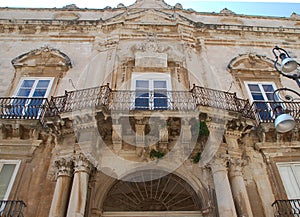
<point x="145" y="110"/>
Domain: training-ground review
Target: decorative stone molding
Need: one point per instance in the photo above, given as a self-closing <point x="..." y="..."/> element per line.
<point x="81" y="164"/>
<point x="226" y="11"/>
<point x="219" y="164"/>
<point x="44" y="56"/>
<point x="64" y="167"/>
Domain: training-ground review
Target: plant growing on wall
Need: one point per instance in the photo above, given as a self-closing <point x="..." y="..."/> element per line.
<point x="203" y="129"/>
<point x="156" y="154"/>
<point x="197" y="157"/>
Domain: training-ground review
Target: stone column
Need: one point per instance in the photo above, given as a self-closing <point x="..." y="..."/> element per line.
<point x="62" y="188"/>
<point x="239" y="190"/>
<point x="78" y="197"/>
<point x="222" y="187"/>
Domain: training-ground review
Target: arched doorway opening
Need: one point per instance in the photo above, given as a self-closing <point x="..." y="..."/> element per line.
<point x="141" y="195"/>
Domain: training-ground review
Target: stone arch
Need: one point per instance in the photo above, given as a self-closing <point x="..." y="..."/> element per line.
<point x="250" y="62"/>
<point x="185" y="180"/>
<point x="44" y="56"/>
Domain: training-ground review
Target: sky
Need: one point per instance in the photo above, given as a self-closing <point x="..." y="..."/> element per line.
<point x="247" y="7"/>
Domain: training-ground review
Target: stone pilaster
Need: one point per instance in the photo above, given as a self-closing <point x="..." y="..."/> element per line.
<point x="140" y="134"/>
<point x="239" y="190"/>
<point x="117" y="137"/>
<point x="78" y="197"/>
<point x="186" y="134"/>
<point x="222" y="187"/>
<point x="62" y="188"/>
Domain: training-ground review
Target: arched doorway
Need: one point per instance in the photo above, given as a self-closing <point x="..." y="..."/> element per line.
<point x="140" y="195"/>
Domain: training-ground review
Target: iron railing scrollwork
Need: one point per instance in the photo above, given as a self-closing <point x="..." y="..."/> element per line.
<point x="82" y="99"/>
<point x="24" y="108"/>
<point x="151" y="100"/>
<point x="287" y="208"/>
<point x="264" y="110"/>
<point x="221" y="100"/>
<point x="11" y="208"/>
<point x="118" y="100"/>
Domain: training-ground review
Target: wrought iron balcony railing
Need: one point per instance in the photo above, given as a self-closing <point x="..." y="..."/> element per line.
<point x="24" y="108"/>
<point x="152" y="100"/>
<point x="11" y="208"/>
<point x="287" y="208"/>
<point x="222" y="100"/>
<point x="264" y="110"/>
<point x="82" y="99"/>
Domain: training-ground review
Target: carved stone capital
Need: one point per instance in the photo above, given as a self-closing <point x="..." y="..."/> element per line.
<point x="219" y="164"/>
<point x="81" y="164"/>
<point x="64" y="167"/>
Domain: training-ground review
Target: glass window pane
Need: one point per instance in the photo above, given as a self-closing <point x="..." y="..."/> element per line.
<point x="254" y="87"/>
<point x="23" y="92"/>
<point x="257" y="96"/>
<point x="39" y="93"/>
<point x="142" y="84"/>
<point x="27" y="83"/>
<point x="268" y="88"/>
<point x="5" y="177"/>
<point x="43" y="84"/>
<point x="141" y="103"/>
<point x="160" y="84"/>
<point x="142" y="94"/>
<point x="270" y="96"/>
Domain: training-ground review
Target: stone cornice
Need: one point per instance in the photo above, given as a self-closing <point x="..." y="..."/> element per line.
<point x="11" y="26"/>
<point x="277" y="146"/>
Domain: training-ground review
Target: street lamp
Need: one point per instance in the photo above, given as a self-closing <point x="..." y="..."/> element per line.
<point x="287" y="67"/>
<point x="283" y="122"/>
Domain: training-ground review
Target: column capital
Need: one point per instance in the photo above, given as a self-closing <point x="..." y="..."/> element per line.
<point x="81" y="163"/>
<point x="236" y="166"/>
<point x="64" y="167"/>
<point x="219" y="164"/>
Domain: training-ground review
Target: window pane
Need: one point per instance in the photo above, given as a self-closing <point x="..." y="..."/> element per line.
<point x="160" y="84"/>
<point x="43" y="84"/>
<point x="142" y="84"/>
<point x="254" y="87"/>
<point x="23" y="92"/>
<point x="39" y="93"/>
<point x="5" y="177"/>
<point x="27" y="83"/>
<point x="270" y="96"/>
<point x="141" y="103"/>
<point x="268" y="88"/>
<point x="142" y="94"/>
<point x="257" y="96"/>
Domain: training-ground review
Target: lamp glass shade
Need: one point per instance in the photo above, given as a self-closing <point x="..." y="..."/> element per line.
<point x="288" y="65"/>
<point x="284" y="123"/>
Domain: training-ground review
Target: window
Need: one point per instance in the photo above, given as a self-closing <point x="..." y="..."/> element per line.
<point x="8" y="172"/>
<point x="290" y="176"/>
<point x="151" y="91"/>
<point x="262" y="95"/>
<point x="30" y="95"/>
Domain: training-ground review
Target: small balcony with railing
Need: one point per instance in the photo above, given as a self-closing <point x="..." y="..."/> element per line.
<point x="14" y="108"/>
<point x="11" y="208"/>
<point x="287" y="208"/>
